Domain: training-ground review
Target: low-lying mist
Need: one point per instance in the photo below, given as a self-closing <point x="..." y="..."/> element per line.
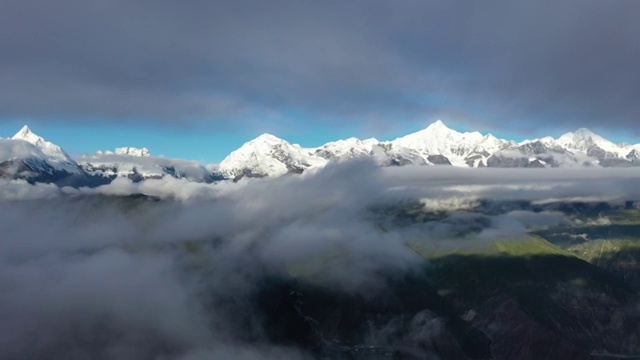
<point x="169" y="269"/>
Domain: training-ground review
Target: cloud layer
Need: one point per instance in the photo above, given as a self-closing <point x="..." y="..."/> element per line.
<point x="86" y="274"/>
<point x="566" y="64"/>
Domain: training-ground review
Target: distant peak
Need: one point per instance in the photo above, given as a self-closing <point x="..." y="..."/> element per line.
<point x="50" y="149"/>
<point x="439" y="127"/>
<point x="267" y="135"/>
<point x="25" y="130"/>
<point x="439" y="124"/>
<point x="25" y="134"/>
<point x="584" y="131"/>
<point x="268" y="138"/>
<point x="143" y="152"/>
<point x="580" y="133"/>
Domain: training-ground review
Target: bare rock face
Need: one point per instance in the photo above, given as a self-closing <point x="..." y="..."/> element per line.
<point x="438" y="160"/>
<point x="513" y="162"/>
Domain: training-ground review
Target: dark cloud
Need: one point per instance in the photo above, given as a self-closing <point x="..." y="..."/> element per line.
<point x="566" y="63"/>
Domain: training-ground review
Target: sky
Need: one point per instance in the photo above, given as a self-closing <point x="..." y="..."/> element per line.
<point x="196" y="79"/>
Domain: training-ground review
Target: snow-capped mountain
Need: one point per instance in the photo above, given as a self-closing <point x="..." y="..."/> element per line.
<point x="55" y="156"/>
<point x="438" y="139"/>
<point x="29" y="156"/>
<point x="585" y="141"/>
<point x="460" y="149"/>
<point x="138" y="164"/>
<point x="579" y="148"/>
<point x="346" y="149"/>
<point x="437" y="144"/>
<point x="268" y="155"/>
<point x="128" y="150"/>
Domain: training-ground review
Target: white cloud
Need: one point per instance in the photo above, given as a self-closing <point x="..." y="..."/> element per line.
<point x="169" y="279"/>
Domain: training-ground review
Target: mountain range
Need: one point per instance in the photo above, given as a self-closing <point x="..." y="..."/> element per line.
<point x="30" y="157"/>
<point x="437" y="144"/>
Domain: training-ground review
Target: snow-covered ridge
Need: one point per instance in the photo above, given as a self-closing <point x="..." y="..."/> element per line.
<point x="133" y="151"/>
<point x="30" y="157"/>
<point x="268" y="155"/>
<point x="348" y="148"/>
<point x="127" y="150"/>
<point x="142" y="167"/>
<point x="461" y="149"/>
<point x="583" y="140"/>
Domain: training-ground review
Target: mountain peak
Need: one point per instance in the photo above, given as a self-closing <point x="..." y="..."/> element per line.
<point x="268" y="155"/>
<point x="584" y="140"/>
<point x="438" y="124"/>
<point x="439" y="129"/>
<point x="24" y="130"/>
<point x="26" y="134"/>
<point x="266" y="137"/>
<point x="55" y="154"/>
<point x="582" y="135"/>
<point x="584" y="132"/>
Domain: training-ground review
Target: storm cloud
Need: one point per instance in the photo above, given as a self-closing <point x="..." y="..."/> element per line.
<point x="560" y="63"/>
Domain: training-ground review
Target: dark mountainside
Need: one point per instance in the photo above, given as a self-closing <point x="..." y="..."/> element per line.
<point x="569" y="291"/>
<point x="530" y="299"/>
